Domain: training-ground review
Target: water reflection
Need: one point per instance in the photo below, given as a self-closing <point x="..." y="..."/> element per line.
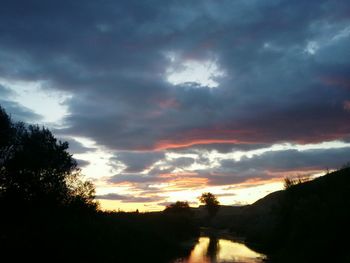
<point x="214" y="250"/>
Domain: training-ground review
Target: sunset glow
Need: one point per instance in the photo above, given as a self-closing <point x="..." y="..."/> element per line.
<point x="162" y="102"/>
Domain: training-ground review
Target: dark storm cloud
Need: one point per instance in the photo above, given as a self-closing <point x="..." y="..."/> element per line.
<point x="76" y="147"/>
<point x="82" y="163"/>
<point x="285" y="64"/>
<point x="233" y="177"/>
<point x="181" y="162"/>
<point x="222" y="147"/>
<point x="134" y="178"/>
<point x="137" y="161"/>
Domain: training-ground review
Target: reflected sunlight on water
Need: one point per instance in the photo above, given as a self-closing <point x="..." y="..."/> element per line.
<point x="210" y="250"/>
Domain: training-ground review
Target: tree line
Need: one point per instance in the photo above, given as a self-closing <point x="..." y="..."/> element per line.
<point x="37" y="170"/>
<point x="47" y="206"/>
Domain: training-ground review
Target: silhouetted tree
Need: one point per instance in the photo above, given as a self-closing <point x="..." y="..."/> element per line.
<point x="178" y="208"/>
<point x="289" y="182"/>
<point x="5" y="130"/>
<point x="36" y="169"/>
<point x="211" y="203"/>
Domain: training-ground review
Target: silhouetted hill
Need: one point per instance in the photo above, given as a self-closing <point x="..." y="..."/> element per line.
<point x="304" y="223"/>
<point x="307" y="221"/>
<point x="268" y="201"/>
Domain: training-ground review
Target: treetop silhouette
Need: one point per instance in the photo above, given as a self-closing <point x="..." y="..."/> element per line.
<point x="37" y="169"/>
<point x="211" y="203"/>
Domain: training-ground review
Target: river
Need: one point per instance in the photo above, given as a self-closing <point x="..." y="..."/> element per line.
<point x="219" y="250"/>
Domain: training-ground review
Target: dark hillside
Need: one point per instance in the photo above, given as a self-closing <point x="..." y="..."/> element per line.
<point x="305" y="221"/>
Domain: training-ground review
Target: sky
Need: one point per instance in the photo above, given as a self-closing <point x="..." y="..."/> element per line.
<point x="163" y="100"/>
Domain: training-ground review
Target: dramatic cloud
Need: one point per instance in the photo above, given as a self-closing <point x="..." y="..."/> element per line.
<point x="145" y="79"/>
<point x="82" y="163"/>
<point x="206" y="169"/>
<point x="77" y="147"/>
<point x="280" y="81"/>
<point x="137" y="161"/>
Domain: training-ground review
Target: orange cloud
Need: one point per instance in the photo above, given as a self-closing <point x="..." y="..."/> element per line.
<point x="215" y="135"/>
<point x="186" y="180"/>
<point x="168" y="144"/>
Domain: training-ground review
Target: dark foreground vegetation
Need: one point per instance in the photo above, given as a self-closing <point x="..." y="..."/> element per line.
<point x="48" y="211"/>
<point x="70" y="235"/>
